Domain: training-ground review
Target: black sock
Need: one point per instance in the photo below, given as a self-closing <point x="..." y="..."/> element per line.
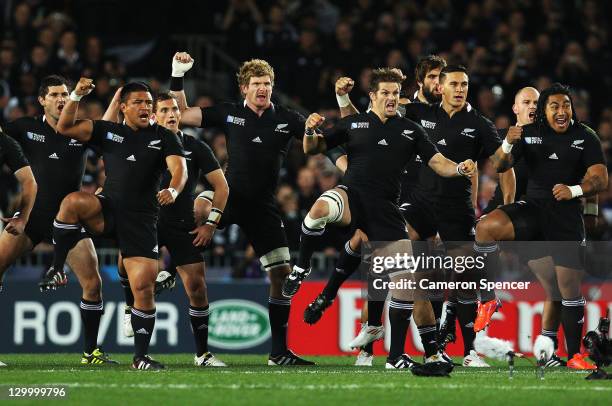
<point x="199" y="325"/>
<point x="437" y="305"/>
<point x="348" y="262"/>
<point x="466" y="313"/>
<point x="490" y="252"/>
<point x="91" y="312"/>
<point x="308" y="243"/>
<point x="127" y="290"/>
<point x="572" y="318"/>
<point x="375" y="311"/>
<point x="552" y="334"/>
<point x="143" y="323"/>
<point x="400" y="312"/>
<point x="451" y="314"/>
<point x="278" y="311"/>
<point x="65" y="237"/>
<point x="428" y="338"/>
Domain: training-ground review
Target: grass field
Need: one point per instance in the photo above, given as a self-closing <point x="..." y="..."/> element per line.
<point x="333" y="381"/>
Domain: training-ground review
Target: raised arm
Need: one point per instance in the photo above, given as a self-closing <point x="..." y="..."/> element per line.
<point x="112" y="111"/>
<point x="502" y="158"/>
<point x="448" y="169"/>
<point x="182" y="62"/>
<point x="67" y="124"/>
<point x="343" y="87"/>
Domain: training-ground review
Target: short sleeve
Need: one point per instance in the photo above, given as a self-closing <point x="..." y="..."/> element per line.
<point x="171" y="144"/>
<point x="593" y="153"/>
<point x="206" y="158"/>
<point x="424" y="147"/>
<point x="12" y="153"/>
<point x="298" y="124"/>
<point x="101" y="130"/>
<point x="213" y="116"/>
<point x="334" y="153"/>
<point x="489" y="138"/>
<point x="338" y="134"/>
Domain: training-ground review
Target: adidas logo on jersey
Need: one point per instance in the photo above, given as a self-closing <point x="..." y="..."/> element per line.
<point x="35" y="137"/>
<point x="131" y="158"/>
<point x="468" y="132"/>
<point x="553" y="156"/>
<point x="156" y="249"/>
<point x="383" y="142"/>
<point x="442" y="142"/>
<point x="428" y="124"/>
<point x="577" y="144"/>
<point x="257" y="140"/>
<point x="53" y="156"/>
<point x="418" y="159"/>
<point x="114" y="137"/>
<point x="282" y="128"/>
<point x="153" y="144"/>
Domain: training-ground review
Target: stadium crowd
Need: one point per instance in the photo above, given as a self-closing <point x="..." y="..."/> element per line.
<point x="506" y="45"/>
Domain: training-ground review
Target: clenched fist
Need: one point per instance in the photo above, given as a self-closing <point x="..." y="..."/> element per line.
<point x="467" y="168"/>
<point x="514" y="134"/>
<point x="314" y="121"/>
<point x="181" y="63"/>
<point x="562" y="192"/>
<point x="344" y="86"/>
<point x="84" y="87"/>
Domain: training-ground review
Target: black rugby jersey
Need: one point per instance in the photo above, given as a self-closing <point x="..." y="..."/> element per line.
<point x="58" y="162"/>
<point x="134" y="161"/>
<point x="11" y="153"/>
<point x="256" y="146"/>
<point x="465" y="135"/>
<point x="200" y="161"/>
<point x="377" y="152"/>
<point x="553" y="158"/>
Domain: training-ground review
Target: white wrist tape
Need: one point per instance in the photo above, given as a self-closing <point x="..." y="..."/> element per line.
<point x="506" y="147"/>
<point x="343" y="100"/>
<point x="215" y="216"/>
<point x="576" y="191"/>
<point x="173" y="192"/>
<point x="75" y="97"/>
<point x="591" y="209"/>
<point x="460" y="171"/>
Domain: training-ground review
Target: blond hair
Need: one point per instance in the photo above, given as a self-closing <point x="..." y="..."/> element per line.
<point x="254" y="68"/>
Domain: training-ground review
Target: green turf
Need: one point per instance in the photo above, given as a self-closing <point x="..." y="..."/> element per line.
<point x="333" y="381"/>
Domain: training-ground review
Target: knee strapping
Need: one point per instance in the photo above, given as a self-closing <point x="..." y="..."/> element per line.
<point x="335" y="206"/>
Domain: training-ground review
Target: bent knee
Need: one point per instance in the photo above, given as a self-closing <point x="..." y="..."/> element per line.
<point x="319" y="210"/>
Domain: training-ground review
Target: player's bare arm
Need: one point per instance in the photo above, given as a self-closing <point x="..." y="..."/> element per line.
<point x="502" y="159"/>
<point x="314" y="143"/>
<point x="67" y="124"/>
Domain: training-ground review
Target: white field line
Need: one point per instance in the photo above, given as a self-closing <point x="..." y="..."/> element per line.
<point x="319" y="387"/>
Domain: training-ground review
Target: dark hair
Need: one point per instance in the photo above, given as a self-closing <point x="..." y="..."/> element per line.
<point x="162" y="96"/>
<point x="52" y="80"/>
<point x="384" y="75"/>
<point x="133" y="87"/>
<point x="555" y="88"/>
<point x="427" y="64"/>
<point x="451" y="69"/>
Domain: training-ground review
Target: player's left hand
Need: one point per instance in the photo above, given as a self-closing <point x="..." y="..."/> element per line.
<point x="467" y="168"/>
<point x="14" y="225"/>
<point x="204" y="234"/>
<point x="562" y="192"/>
<point x="165" y="197"/>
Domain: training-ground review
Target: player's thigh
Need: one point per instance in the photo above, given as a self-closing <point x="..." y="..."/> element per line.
<point x="136" y="235"/>
<point x="420" y="221"/>
<point x="12" y="247"/>
<point x="141" y="271"/>
<point x="193" y="277"/>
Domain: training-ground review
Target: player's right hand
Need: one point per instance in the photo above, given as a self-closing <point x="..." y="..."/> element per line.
<point x="467" y="168"/>
<point x="84" y="87"/>
<point x="181" y="63"/>
<point x="514" y="134"/>
<point x="314" y="121"/>
<point x="14" y="225"/>
<point x="204" y="234"/>
<point x="344" y="85"/>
